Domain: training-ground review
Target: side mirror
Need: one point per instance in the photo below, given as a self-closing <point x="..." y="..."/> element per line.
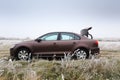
<point x="38" y="40"/>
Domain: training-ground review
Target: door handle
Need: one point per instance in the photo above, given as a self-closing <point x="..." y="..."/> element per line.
<point x="74" y="42"/>
<point x="54" y="43"/>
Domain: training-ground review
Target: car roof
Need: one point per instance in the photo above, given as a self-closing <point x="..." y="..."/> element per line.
<point x="65" y="32"/>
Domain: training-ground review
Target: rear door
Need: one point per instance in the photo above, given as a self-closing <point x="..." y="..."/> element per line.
<point x="67" y="42"/>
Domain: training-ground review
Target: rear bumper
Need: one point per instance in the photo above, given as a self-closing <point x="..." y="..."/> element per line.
<point x="95" y="50"/>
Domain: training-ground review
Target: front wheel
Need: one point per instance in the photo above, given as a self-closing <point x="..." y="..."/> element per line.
<point x="81" y="54"/>
<point x="23" y="54"/>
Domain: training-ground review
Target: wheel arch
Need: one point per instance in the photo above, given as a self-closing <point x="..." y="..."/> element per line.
<point x="82" y="47"/>
<point x="22" y="47"/>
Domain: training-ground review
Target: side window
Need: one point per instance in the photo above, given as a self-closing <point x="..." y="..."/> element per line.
<point x="50" y="37"/>
<point x="77" y="37"/>
<point x="69" y="36"/>
<point x="66" y="37"/>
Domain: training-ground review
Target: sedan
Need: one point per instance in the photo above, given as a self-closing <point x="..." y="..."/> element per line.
<point x="56" y="45"/>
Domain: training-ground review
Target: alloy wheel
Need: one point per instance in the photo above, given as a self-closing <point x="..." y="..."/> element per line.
<point x="23" y="54"/>
<point x="80" y="54"/>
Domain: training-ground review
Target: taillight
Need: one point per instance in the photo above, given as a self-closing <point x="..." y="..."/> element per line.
<point x="96" y="42"/>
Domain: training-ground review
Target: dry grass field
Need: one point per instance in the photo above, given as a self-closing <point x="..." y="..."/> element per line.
<point x="5" y="46"/>
<point x="107" y="67"/>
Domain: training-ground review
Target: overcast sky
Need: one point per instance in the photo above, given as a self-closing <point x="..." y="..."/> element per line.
<point x="32" y="18"/>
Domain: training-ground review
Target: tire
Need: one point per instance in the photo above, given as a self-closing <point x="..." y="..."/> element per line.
<point x="81" y="54"/>
<point x="23" y="54"/>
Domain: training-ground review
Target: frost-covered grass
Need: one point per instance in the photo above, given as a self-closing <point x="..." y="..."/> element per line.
<point x="109" y="45"/>
<point x="5" y="46"/>
<point x="94" y="69"/>
<point x="107" y="67"/>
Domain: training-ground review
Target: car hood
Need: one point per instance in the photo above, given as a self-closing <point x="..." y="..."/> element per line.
<point x="27" y="42"/>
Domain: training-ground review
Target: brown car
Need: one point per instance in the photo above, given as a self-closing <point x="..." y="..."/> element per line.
<point x="56" y="44"/>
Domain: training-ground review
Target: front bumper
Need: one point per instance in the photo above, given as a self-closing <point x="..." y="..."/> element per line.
<point x="12" y="53"/>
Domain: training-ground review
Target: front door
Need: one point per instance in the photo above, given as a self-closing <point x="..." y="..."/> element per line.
<point x="47" y="43"/>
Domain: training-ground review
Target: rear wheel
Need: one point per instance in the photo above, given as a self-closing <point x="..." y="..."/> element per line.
<point x="81" y="54"/>
<point x="23" y="54"/>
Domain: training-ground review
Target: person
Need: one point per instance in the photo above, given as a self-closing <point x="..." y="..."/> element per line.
<point x="85" y="32"/>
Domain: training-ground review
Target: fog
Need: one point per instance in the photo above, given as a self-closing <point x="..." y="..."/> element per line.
<point x="32" y="18"/>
